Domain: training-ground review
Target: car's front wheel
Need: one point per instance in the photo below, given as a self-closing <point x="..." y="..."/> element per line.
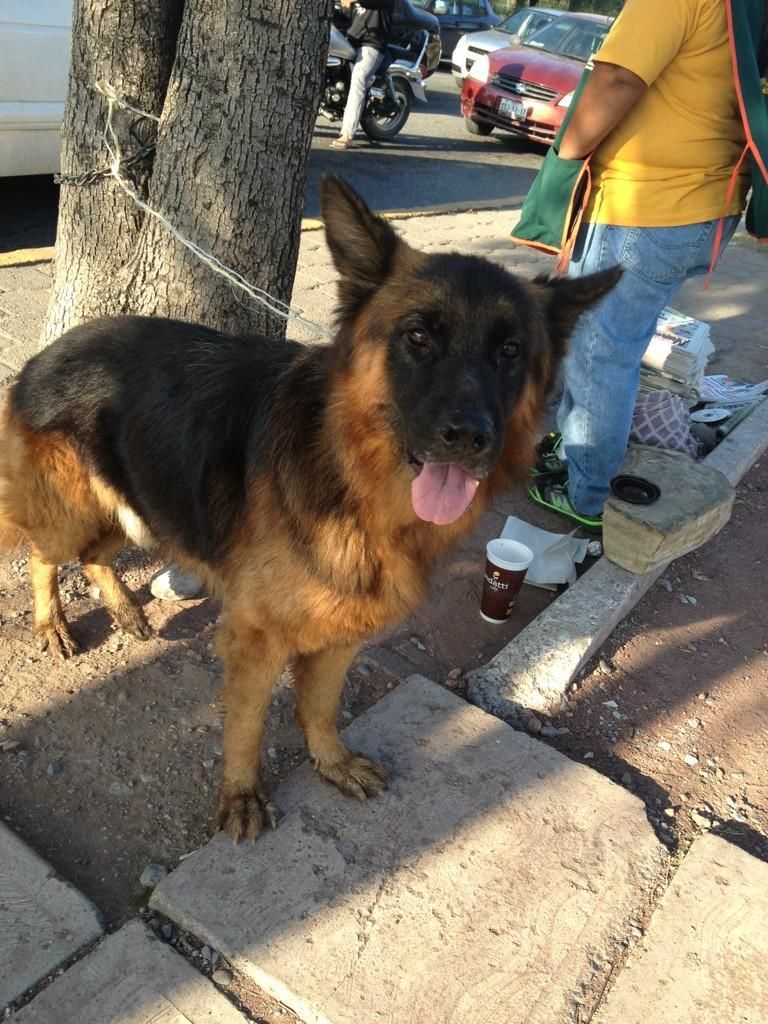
<point x="477" y="127"/>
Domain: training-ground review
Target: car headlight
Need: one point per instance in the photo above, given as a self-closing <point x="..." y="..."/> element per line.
<point x="480" y="70"/>
<point x="566" y="100"/>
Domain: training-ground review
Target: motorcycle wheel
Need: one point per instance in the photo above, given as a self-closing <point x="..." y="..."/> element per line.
<point x="383" y="127"/>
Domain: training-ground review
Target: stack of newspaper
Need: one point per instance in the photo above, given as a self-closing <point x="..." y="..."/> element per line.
<point x="677" y="354"/>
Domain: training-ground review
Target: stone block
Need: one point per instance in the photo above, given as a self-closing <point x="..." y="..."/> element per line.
<point x="43" y="919"/>
<point x="131" y="978"/>
<point x="696" y="501"/>
<point x="487" y="884"/>
<point x="703" y="958"/>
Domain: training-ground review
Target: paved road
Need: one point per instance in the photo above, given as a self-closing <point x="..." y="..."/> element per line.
<point x="27" y="213"/>
<point x="434" y="164"/>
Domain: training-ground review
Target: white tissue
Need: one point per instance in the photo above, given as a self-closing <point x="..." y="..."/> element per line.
<point x="555" y="555"/>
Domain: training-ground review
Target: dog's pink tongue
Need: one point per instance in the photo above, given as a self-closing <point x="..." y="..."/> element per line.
<point x="441" y="493"/>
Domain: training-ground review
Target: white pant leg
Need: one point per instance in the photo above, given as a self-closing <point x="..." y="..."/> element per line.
<point x="363" y="71"/>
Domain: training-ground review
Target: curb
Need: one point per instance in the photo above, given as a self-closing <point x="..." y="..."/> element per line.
<point x="316" y="223"/>
<point x="534" y="671"/>
<point x="22" y="257"/>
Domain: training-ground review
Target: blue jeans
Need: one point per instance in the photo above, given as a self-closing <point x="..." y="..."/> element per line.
<point x="602" y="368"/>
<point x="363" y="73"/>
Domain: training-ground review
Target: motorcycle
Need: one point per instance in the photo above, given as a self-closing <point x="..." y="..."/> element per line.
<point x="388" y="101"/>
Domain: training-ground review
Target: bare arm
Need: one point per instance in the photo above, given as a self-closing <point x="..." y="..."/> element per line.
<point x="608" y="96"/>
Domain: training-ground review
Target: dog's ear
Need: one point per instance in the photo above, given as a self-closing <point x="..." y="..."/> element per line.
<point x="567" y="297"/>
<point x="362" y="244"/>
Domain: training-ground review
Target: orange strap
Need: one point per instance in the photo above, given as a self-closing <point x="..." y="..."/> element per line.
<point x="740" y="97"/>
<point x="716" y="253"/>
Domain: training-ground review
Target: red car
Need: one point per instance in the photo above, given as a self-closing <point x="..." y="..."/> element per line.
<point x="526" y="89"/>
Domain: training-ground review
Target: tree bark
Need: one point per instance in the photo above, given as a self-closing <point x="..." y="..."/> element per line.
<point x="236" y="85"/>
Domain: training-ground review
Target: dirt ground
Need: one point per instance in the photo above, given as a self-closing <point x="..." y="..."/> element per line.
<point x="109" y="761"/>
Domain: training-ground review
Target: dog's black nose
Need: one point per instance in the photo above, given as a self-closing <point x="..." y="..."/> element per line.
<point x="467" y="431"/>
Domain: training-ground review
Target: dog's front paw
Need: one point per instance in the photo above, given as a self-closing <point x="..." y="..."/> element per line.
<point x="56" y="638"/>
<point x="354" y="774"/>
<point x="243" y="813"/>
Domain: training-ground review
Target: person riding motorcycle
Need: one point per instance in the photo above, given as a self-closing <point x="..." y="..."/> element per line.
<point x="369" y="32"/>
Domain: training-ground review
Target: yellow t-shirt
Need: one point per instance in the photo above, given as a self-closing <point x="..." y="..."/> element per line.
<point x="670" y="160"/>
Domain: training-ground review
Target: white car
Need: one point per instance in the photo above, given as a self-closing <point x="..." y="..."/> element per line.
<point x="34" y="69"/>
<point x="514" y="29"/>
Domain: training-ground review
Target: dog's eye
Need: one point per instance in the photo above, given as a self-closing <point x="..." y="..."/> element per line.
<point x="417" y="336"/>
<point x="511" y="350"/>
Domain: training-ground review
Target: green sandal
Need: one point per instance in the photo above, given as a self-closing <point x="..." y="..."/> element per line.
<point x="549" y="465"/>
<point x="553" y="495"/>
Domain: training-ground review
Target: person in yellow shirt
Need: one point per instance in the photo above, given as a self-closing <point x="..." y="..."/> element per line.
<point x="659" y="114"/>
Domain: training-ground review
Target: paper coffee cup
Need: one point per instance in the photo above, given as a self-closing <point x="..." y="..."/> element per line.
<point x="506" y="564"/>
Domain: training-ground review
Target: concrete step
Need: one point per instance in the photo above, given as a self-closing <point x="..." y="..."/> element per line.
<point x="703" y="958"/>
<point x="489" y="883"/>
<point x="696" y="501"/>
<point x="131" y="978"/>
<point x="43" y="920"/>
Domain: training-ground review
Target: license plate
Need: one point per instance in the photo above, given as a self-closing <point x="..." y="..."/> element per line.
<point x="514" y="110"/>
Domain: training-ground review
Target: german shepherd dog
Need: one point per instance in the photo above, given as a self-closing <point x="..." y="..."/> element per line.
<point x="312" y="486"/>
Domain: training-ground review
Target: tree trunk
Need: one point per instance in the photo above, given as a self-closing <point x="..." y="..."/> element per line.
<point x="236" y="86"/>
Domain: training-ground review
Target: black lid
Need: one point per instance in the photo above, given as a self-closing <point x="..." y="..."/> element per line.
<point x="635" y="489"/>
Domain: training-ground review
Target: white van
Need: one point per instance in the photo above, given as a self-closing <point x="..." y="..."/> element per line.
<point x="34" y="68"/>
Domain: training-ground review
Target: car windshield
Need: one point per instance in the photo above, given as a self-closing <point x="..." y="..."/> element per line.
<point x="570" y="37"/>
<point x="513" y="23"/>
<point x="525" y="22"/>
